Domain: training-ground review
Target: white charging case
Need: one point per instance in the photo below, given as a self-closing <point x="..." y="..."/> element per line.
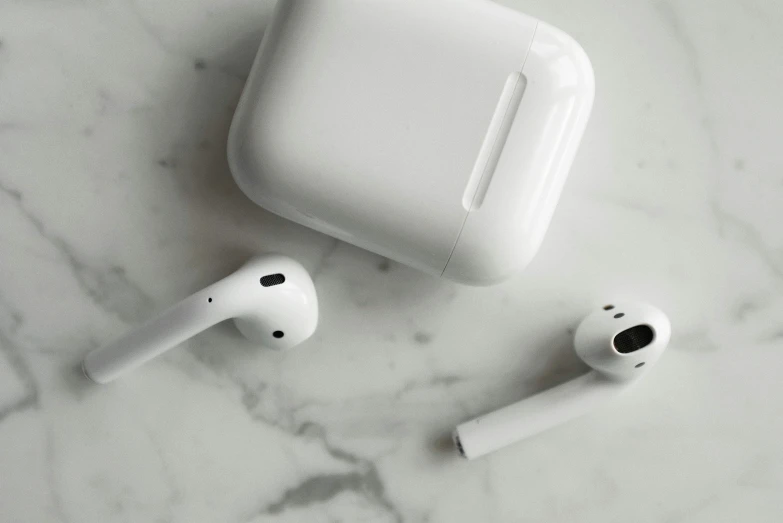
<point x="437" y="133"/>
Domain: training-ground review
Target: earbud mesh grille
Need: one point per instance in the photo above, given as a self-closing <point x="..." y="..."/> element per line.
<point x="271" y="280"/>
<point x="633" y="339"/>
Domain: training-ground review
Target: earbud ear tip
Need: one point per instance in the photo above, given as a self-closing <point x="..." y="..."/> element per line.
<point x="622" y="337"/>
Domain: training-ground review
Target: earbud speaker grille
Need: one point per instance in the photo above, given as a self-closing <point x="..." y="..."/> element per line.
<point x="271" y="280"/>
<point x="633" y="339"/>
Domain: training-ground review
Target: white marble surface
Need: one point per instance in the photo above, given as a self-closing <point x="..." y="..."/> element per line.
<point x="115" y="201"/>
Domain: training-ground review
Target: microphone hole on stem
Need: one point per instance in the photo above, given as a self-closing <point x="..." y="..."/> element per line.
<point x="458" y="445"/>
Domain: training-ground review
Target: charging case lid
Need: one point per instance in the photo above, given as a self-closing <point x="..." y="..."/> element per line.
<point x="437" y="133"/>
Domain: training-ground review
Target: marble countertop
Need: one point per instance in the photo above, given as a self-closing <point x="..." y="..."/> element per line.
<point x="116" y="200"/>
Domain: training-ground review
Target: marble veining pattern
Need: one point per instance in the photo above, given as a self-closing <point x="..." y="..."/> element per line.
<point x="115" y="201"/>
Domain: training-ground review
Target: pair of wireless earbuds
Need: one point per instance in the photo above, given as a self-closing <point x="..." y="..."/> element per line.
<point x="272" y="301"/>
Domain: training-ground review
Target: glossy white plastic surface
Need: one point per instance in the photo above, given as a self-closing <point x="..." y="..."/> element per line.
<point x="502" y="236"/>
<point x="593" y="339"/>
<point x="290" y="308"/>
<point x="437" y="133"/>
<point x="535" y="414"/>
<point x="613" y="373"/>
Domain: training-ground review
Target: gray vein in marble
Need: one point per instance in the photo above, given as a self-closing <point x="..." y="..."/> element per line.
<point x="774" y="336"/>
<point x="11" y="318"/>
<point x="323" y="488"/>
<point x="199" y="64"/>
<point x="437" y="381"/>
<point x="11" y="321"/>
<point x="209" y="358"/>
<point x="51" y="478"/>
<point x="251" y="399"/>
<point x="252" y="396"/>
<point x="762" y="14"/>
<point x="747" y="235"/>
<point x="30" y="399"/>
<point x="653" y="212"/>
<point x="687" y="514"/>
<point x="175" y="494"/>
<point x="669" y="15"/>
<point x="365" y="481"/>
<point x="108" y="287"/>
<point x="746" y="309"/>
<point x="151" y="31"/>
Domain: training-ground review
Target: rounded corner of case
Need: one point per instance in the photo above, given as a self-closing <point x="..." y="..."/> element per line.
<point x="580" y="60"/>
<point x="482" y="268"/>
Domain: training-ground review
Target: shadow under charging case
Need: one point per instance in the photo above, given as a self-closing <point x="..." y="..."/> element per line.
<point x="437" y="133"/>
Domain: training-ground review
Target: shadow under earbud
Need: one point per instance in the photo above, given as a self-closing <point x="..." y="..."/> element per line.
<point x="442" y="447"/>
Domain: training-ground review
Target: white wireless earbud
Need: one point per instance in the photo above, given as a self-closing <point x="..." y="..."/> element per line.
<point x="620" y="342"/>
<point x="271" y="299"/>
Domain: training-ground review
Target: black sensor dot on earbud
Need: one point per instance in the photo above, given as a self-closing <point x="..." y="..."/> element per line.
<point x="619" y="315"/>
<point x="278" y="334"/>
<point x="608" y="307"/>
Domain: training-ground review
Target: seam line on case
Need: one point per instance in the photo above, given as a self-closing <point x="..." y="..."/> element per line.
<point x="467" y="213"/>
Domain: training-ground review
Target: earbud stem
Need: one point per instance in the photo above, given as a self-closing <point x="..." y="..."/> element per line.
<point x="535" y="414"/>
<point x="167" y="330"/>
